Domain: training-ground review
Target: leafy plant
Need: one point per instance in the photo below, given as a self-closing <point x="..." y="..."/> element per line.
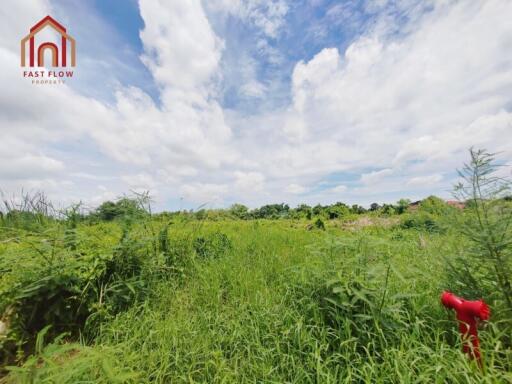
<point x="421" y="221"/>
<point x="485" y="266"/>
<point x="319" y="224"/>
<point x="360" y="302"/>
<point x="212" y="245"/>
<point x="122" y="208"/>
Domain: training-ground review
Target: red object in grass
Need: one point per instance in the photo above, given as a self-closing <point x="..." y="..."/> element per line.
<point x="468" y="313"/>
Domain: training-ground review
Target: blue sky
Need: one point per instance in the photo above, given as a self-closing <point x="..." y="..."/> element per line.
<point x="309" y="28"/>
<point x="258" y="101"/>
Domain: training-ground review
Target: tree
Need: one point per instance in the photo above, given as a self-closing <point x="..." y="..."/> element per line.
<point x="357" y="209"/>
<point x="240" y="211"/>
<point x="402" y="205"/>
<point x="336" y="211"/>
<point x="374" y="207"/>
<point x="305" y="211"/>
<point x="272" y="211"/>
<point x="317" y="210"/>
<point x="434" y="205"/>
<point x="125" y="206"/>
<point x="388" y="209"/>
<point x="107" y="211"/>
<point x="486" y="267"/>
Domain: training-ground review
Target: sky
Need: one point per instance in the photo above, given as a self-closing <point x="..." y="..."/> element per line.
<point x="218" y="102"/>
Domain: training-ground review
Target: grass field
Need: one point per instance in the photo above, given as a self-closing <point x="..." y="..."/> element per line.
<point x="256" y="192"/>
<point x="236" y="301"/>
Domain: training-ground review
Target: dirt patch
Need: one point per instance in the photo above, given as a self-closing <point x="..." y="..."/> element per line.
<point x="363" y="222"/>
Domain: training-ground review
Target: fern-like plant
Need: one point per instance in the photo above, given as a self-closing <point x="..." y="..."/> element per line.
<point x="485" y="267"/>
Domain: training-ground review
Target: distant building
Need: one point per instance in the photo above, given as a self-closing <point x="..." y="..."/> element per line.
<point x="414" y="205"/>
<point x="452" y="203"/>
<point x="456" y="204"/>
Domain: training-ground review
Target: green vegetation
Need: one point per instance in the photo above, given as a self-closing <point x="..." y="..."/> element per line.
<point x="323" y="294"/>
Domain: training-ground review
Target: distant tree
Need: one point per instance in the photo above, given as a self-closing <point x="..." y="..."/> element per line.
<point x="320" y="224"/>
<point x="305" y="210"/>
<point x="272" y="211"/>
<point x="109" y="210"/>
<point x="337" y="210"/>
<point x="357" y="209"/>
<point x="240" y="211"/>
<point x="388" y="209"/>
<point x="318" y="210"/>
<point x="485" y="267"/>
<point x="340" y="204"/>
<point x="434" y="205"/>
<point x="374" y="207"/>
<point x="201" y="214"/>
<point x="402" y="205"/>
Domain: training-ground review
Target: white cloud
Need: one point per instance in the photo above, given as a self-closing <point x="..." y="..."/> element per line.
<point x="101" y="195"/>
<point x="267" y="15"/>
<point x="408" y="100"/>
<point x="249" y="182"/>
<point x="140" y="181"/>
<point x="18" y="16"/>
<point x="180" y="47"/>
<point x="409" y="104"/>
<point x="375" y="176"/>
<point x="338" y="189"/>
<point x="187" y="133"/>
<point x="422" y="181"/>
<point x="295" y="189"/>
<point x="246" y="78"/>
<point x="204" y="193"/>
<point x="253" y="88"/>
<point x="25" y="166"/>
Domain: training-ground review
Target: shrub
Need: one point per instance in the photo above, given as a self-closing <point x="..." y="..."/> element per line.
<point x="28" y="211"/>
<point x="356" y="304"/>
<point x="319" y="224"/>
<point x="435" y="206"/>
<point x="421" y="221"/>
<point x="69" y="288"/>
<point x="239" y="211"/>
<point x="212" y="246"/>
<point x="175" y="251"/>
<point x="388" y="209"/>
<point x="52" y="294"/>
<point x="337" y="210"/>
<point x="123" y="207"/>
<point x="485" y="267"/>
<point x="402" y="205"/>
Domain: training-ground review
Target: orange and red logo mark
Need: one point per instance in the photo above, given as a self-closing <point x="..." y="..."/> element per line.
<point x="57" y="60"/>
<point x="62" y="53"/>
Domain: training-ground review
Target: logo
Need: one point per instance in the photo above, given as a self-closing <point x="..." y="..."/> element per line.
<point x="62" y="53"/>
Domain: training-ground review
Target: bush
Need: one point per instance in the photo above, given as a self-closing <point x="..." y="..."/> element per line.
<point x="68" y="285"/>
<point x="124" y="207"/>
<point x="484" y="269"/>
<point x="319" y="224"/>
<point x="402" y="205"/>
<point x="52" y="294"/>
<point x="435" y="206"/>
<point x="421" y="221"/>
<point x="28" y="221"/>
<point x="356" y="305"/>
<point x="212" y="246"/>
<point x="239" y="211"/>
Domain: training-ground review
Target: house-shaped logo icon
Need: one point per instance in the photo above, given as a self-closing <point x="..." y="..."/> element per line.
<point x="56" y="62"/>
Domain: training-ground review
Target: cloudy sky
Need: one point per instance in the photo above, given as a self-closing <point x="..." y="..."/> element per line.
<point x="257" y="101"/>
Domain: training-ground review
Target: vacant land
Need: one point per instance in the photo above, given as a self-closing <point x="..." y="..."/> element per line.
<point x="169" y="298"/>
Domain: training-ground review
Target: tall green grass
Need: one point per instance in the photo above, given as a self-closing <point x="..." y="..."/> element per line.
<point x="279" y="304"/>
